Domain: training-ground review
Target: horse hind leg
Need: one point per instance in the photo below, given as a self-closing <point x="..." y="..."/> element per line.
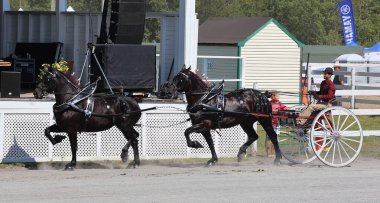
<point x="58" y="138"/>
<point x="267" y="125"/>
<point x="252" y="136"/>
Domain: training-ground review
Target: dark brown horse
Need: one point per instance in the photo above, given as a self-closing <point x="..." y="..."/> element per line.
<point x="238" y="106"/>
<point x="94" y="113"/>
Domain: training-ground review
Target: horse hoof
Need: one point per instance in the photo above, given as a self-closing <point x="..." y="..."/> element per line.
<point x="124" y="157"/>
<point x="131" y="166"/>
<point x="59" y="138"/>
<point x="211" y="163"/>
<point x="69" y="167"/>
<point x="195" y="144"/>
<point x="241" y="156"/>
<point x="277" y="162"/>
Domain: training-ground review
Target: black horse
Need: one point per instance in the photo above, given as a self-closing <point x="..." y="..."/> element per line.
<point x="77" y="111"/>
<point x="237" y="107"/>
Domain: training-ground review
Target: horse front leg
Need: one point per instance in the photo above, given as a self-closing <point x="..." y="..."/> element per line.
<point x="136" y="160"/>
<point x="131" y="135"/>
<point x="124" y="152"/>
<point x="195" y="128"/>
<point x="58" y="138"/>
<point x="74" y="148"/>
<point x="210" y="142"/>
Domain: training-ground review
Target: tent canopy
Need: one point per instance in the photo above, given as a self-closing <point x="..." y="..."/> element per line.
<point x="375" y="48"/>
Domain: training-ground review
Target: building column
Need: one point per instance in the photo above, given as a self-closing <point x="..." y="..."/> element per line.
<point x="4" y="6"/>
<point x="60" y="6"/>
<point x="188" y="35"/>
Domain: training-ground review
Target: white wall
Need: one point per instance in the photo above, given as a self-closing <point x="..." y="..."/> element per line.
<point x="272" y="59"/>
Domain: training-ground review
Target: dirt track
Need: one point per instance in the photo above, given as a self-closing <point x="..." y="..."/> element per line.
<point x="254" y="180"/>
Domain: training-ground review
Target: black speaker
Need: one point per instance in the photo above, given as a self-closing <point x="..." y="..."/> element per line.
<point x="127" y="21"/>
<point x="126" y="66"/>
<point x="10" y="84"/>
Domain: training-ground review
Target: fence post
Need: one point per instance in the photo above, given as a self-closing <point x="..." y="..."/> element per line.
<point x="143" y="134"/>
<point x="205" y="61"/>
<point x="353" y="78"/>
<point x="242" y="73"/>
<point x="2" y="136"/>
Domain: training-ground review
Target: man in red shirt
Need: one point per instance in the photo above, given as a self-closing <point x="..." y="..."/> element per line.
<point x="323" y="97"/>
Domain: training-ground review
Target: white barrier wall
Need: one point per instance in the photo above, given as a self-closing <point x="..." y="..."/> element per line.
<point x="22" y="138"/>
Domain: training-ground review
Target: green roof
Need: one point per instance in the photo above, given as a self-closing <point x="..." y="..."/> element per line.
<point x="300" y="44"/>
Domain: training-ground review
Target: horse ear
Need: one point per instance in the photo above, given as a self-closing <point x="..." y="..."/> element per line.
<point x="183" y="67"/>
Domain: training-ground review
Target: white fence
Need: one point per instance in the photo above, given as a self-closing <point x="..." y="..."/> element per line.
<point x="356" y="86"/>
<point x="22" y="138"/>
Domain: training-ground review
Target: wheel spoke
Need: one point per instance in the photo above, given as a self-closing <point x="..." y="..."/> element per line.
<point x="340" y="154"/>
<point x="348" y="145"/>
<point x="348" y="156"/>
<point x="333" y="155"/>
<point x="323" y="126"/>
<point x="344" y="122"/>
<point x="328" y="151"/>
<point x="349" y="125"/>
<point x="328" y="122"/>
<point x="332" y="120"/>
<point x="352" y="140"/>
<point x="337" y="125"/>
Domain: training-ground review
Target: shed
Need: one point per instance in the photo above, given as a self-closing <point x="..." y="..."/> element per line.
<point x="271" y="55"/>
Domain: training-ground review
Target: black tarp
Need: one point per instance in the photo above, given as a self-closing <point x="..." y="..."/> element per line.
<point x="131" y="67"/>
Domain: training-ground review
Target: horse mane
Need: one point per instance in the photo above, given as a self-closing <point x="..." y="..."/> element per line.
<point x="69" y="77"/>
<point x="198" y="80"/>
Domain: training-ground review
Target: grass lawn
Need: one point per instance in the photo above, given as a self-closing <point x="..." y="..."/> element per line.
<point x="371" y="144"/>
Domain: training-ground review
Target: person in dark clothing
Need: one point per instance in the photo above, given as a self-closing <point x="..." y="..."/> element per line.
<point x="323" y="98"/>
<point x="338" y="81"/>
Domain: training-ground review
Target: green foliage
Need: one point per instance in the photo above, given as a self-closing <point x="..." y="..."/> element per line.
<point x="313" y="22"/>
<point x="61" y="66"/>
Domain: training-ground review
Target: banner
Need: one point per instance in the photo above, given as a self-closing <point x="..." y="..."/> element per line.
<point x="347" y="16"/>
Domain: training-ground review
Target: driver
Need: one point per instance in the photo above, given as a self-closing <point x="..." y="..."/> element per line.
<point x="323" y="98"/>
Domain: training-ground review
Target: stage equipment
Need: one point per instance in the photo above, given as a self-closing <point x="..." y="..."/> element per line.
<point x="127" y="21"/>
<point x="128" y="67"/>
<point x="10" y="84"/>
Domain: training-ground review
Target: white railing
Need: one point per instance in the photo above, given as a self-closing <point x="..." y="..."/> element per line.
<point x="22" y="138"/>
<point x="354" y="88"/>
<point x="240" y="77"/>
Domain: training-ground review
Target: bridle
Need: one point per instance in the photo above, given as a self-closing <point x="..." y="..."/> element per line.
<point x="54" y="76"/>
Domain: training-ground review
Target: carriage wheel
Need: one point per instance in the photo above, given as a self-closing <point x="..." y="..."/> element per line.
<point x="336" y="136"/>
<point x="295" y="147"/>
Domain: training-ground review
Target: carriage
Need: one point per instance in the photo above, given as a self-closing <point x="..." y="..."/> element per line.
<point x="333" y="135"/>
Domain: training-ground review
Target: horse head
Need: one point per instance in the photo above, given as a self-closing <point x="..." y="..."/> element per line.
<point x="188" y="81"/>
<point x="56" y="81"/>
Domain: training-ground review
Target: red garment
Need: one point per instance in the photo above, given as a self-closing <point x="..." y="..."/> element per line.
<point x="327" y="91"/>
<point x="277" y="105"/>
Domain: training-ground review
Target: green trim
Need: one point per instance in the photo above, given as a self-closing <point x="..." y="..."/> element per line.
<point x="300" y="44"/>
<point x="239" y="84"/>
